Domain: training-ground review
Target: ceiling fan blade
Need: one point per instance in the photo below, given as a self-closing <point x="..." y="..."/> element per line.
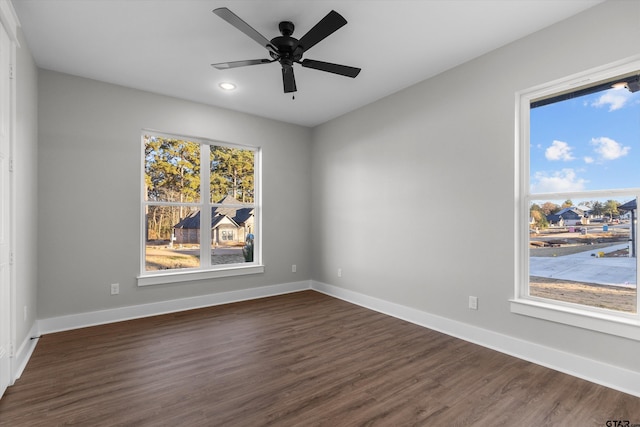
<point x="237" y="22"/>
<point x="343" y="70"/>
<point x="327" y="26"/>
<point x="289" y="80"/>
<point x="236" y="64"/>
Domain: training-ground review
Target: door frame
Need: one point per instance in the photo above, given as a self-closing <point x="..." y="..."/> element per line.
<point x="9" y="22"/>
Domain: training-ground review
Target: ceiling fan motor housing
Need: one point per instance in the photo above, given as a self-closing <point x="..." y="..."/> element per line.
<point x="289" y="50"/>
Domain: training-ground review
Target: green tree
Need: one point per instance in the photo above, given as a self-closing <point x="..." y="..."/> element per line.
<point x="232" y="173"/>
<point x="538" y="216"/>
<point x="172" y="170"/>
<point x="597" y="208"/>
<point x="611" y="208"/>
<point x="567" y="204"/>
<point x="549" y="208"/>
<point x="172" y="174"/>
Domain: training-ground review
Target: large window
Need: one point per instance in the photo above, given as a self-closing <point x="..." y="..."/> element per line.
<point x="200" y="211"/>
<point x="578" y="186"/>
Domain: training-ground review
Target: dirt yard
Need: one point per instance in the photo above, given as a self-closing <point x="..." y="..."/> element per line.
<point x="609" y="297"/>
<point x="594" y="295"/>
<point x="163" y="258"/>
<point x="567" y="249"/>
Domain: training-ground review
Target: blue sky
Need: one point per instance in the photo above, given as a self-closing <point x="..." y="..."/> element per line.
<point x="586" y="143"/>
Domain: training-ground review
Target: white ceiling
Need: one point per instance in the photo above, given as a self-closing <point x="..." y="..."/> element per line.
<point x="167" y="46"/>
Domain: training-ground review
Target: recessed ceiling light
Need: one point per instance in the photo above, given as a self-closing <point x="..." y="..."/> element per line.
<point x="619" y="85"/>
<point x="227" y="86"/>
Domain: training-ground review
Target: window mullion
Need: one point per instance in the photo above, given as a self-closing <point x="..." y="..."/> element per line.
<point x="205" y="207"/>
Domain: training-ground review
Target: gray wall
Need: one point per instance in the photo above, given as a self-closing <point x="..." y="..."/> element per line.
<point x="26" y="194"/>
<point x="413" y="196"/>
<point x="89" y="192"/>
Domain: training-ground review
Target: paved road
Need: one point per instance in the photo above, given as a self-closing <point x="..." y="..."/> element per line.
<point x="583" y="267"/>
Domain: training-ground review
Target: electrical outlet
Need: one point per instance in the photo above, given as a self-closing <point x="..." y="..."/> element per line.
<point x="115" y="288"/>
<point x="339" y="272"/>
<point x="294" y="268"/>
<point x="473" y="303"/>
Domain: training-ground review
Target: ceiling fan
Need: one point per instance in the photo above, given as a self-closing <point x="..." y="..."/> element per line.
<point x="288" y="50"/>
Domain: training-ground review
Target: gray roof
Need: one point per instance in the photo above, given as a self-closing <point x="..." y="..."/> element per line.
<point x="237" y="216"/>
<point x="629" y="206"/>
<point x="567" y="213"/>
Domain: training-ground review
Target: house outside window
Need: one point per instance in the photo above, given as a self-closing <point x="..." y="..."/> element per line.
<point x="578" y="182"/>
<point x="200" y="203"/>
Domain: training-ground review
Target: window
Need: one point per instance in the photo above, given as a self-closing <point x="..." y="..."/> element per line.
<point x="200" y="215"/>
<point x="578" y="185"/>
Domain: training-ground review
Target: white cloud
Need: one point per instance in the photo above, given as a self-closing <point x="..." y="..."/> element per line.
<point x="559" y="150"/>
<point x="588" y="160"/>
<point x="615" y="99"/>
<point x="608" y="149"/>
<point x="559" y="181"/>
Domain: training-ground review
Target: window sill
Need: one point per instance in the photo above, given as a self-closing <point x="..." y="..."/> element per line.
<point x="189" y="276"/>
<point x="623" y="326"/>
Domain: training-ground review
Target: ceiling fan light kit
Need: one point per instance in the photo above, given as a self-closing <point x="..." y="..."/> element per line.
<point x="288" y="50"/>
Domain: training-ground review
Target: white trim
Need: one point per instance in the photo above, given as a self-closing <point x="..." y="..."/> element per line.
<point x="13" y="183"/>
<point x="206" y="270"/>
<point x="143" y="219"/>
<point x="9" y="19"/>
<point x="9" y="25"/>
<point x="591" y="370"/>
<point x="592" y="318"/>
<point x="24" y="353"/>
<point x="582" y="79"/>
<point x="188" y="276"/>
<point x="613" y="324"/>
<point x="82" y="320"/>
<point x="205" y="209"/>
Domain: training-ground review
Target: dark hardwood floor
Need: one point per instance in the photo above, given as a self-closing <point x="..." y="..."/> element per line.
<point x="303" y="359"/>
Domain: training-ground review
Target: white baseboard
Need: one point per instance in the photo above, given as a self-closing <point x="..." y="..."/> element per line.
<point x="81" y="320"/>
<point x="617" y="378"/>
<point x="24" y="352"/>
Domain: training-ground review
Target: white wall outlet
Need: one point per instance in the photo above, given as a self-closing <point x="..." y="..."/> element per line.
<point x="294" y="268"/>
<point x="115" y="288"/>
<point x="473" y="303"/>
<point x="339" y="272"/>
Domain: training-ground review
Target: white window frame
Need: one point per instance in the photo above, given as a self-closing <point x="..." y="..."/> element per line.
<point x="607" y="321"/>
<point x="205" y="271"/>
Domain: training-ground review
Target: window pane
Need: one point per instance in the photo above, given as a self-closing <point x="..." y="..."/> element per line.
<point x="232" y="174"/>
<point x="232" y="229"/>
<point x="172" y="170"/>
<point x="586" y="143"/>
<point x="177" y="204"/>
<point x="172" y="237"/>
<point x="583" y="251"/>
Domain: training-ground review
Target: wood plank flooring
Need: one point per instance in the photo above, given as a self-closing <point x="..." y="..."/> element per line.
<point x="302" y="359"/>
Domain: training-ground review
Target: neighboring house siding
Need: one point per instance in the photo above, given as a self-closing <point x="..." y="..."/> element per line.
<point x="229" y="226"/>
<point x="567" y="217"/>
